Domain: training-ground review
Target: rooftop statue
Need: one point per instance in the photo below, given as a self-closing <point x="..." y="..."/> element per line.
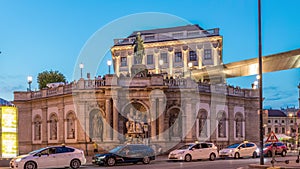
<point x="138" y="49"/>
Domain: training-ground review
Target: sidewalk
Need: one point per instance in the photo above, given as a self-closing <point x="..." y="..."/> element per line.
<point x="291" y="156"/>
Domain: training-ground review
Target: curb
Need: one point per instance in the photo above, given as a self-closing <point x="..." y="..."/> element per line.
<point x="270" y="167"/>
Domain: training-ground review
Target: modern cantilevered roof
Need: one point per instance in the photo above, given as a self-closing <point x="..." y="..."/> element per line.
<point x="271" y="63"/>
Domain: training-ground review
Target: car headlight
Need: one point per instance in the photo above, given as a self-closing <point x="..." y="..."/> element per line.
<point x="18" y="160"/>
<point x="101" y="157"/>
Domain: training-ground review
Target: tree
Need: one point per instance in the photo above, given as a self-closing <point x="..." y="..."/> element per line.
<point x="50" y="77"/>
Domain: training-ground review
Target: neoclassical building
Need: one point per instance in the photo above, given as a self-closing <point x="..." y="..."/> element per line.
<point x="166" y="107"/>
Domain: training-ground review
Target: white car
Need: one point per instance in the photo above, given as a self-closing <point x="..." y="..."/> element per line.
<point x="245" y="149"/>
<point x="195" y="151"/>
<point x="50" y="157"/>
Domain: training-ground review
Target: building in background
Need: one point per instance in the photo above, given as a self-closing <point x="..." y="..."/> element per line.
<point x="166" y="107"/>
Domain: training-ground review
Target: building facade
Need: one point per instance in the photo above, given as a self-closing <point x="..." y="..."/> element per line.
<point x="167" y="107"/>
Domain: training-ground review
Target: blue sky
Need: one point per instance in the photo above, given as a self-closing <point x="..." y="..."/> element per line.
<point x="50" y="35"/>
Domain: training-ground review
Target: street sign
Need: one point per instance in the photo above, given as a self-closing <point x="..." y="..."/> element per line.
<point x="272" y="137"/>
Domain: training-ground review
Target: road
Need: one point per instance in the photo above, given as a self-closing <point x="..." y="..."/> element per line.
<point x="205" y="164"/>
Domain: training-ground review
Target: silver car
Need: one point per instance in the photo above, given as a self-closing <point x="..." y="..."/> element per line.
<point x="50" y="157"/>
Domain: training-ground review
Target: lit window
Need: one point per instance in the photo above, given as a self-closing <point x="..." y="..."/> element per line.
<point x="149" y="59"/>
<point x="193" y="55"/>
<point x="123" y="61"/>
<point x="164" y="57"/>
<point x="207" y="54"/>
<point x="178" y="57"/>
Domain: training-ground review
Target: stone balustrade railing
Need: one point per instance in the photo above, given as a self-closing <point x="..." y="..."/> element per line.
<point x="154" y="80"/>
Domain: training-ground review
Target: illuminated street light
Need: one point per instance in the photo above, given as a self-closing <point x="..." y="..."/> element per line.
<point x="81" y="66"/>
<point x="109" y="64"/>
<point x="29" y="80"/>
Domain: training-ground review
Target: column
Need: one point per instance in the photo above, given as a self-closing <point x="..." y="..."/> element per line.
<point x="108" y="120"/>
<point x="153" y="113"/>
<point x="185" y="60"/>
<point x="156" y="61"/>
<point x="200" y="56"/>
<point x="171" y="61"/>
<point x="117" y="65"/>
<point x="115" y="120"/>
<point x="215" y="55"/>
<point x="129" y="61"/>
<point x="187" y="121"/>
<point x="161" y="120"/>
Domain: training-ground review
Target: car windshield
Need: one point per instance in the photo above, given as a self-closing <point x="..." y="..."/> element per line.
<point x="36" y="151"/>
<point x="187" y="146"/>
<point x="267" y="145"/>
<point x="116" y="149"/>
<point x="233" y="146"/>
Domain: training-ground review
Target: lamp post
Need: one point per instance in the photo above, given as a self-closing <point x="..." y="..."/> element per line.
<point x="109" y="64"/>
<point x="29" y="80"/>
<point x="295" y="130"/>
<point x="161" y="62"/>
<point x="190" y="64"/>
<point x="260" y="85"/>
<point x="81" y="66"/>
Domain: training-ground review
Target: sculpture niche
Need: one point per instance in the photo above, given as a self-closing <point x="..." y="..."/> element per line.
<point x="135" y="127"/>
<point x="138" y="69"/>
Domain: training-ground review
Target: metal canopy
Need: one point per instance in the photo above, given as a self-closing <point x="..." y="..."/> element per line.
<point x="271" y="63"/>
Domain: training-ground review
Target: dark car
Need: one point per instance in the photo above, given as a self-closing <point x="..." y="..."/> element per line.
<point x="280" y="148"/>
<point x="131" y="153"/>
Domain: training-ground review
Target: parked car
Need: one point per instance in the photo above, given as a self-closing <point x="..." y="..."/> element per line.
<point x="238" y="150"/>
<point x="131" y="153"/>
<point x="280" y="148"/>
<point x="195" y="151"/>
<point x="50" y="157"/>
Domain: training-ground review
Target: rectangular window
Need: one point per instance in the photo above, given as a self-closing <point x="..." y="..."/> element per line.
<point x="150" y="37"/>
<point x="149" y="59"/>
<point x="123" y="61"/>
<point x="193" y="55"/>
<point x="207" y="54"/>
<point x="178" y="57"/>
<point x="269" y="130"/>
<point x="283" y="130"/>
<point x="164" y="57"/>
<point x="276" y="130"/>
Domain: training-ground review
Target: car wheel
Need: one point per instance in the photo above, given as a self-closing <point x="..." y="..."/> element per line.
<point x="269" y="154"/>
<point x="254" y="155"/>
<point x="212" y="157"/>
<point x="75" y="164"/>
<point x="237" y="155"/>
<point x="30" y="165"/>
<point x="146" y="160"/>
<point x="188" y="158"/>
<point x="111" y="161"/>
<point x="283" y="154"/>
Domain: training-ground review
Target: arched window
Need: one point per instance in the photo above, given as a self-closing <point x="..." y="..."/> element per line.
<point x="53" y="127"/>
<point x="239" y="125"/>
<point x="202" y="123"/>
<point x="37" y="127"/>
<point x="71" y="125"/>
<point x="222" y="125"/>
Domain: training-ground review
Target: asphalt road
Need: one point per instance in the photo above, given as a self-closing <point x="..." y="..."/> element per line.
<point x="202" y="164"/>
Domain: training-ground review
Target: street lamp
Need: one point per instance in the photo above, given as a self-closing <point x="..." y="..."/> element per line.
<point x="109" y="64"/>
<point x="190" y="64"/>
<point x="161" y="62"/>
<point x="29" y="80"/>
<point x="81" y="66"/>
<point x="295" y="130"/>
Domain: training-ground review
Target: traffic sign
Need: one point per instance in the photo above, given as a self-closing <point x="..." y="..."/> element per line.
<point x="272" y="137"/>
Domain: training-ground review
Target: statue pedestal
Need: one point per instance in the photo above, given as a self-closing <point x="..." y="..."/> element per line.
<point x="139" y="70"/>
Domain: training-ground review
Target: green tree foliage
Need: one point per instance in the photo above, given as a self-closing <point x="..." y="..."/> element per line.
<point x="49" y="77"/>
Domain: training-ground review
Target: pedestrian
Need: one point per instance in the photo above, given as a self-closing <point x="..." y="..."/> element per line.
<point x="95" y="147"/>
